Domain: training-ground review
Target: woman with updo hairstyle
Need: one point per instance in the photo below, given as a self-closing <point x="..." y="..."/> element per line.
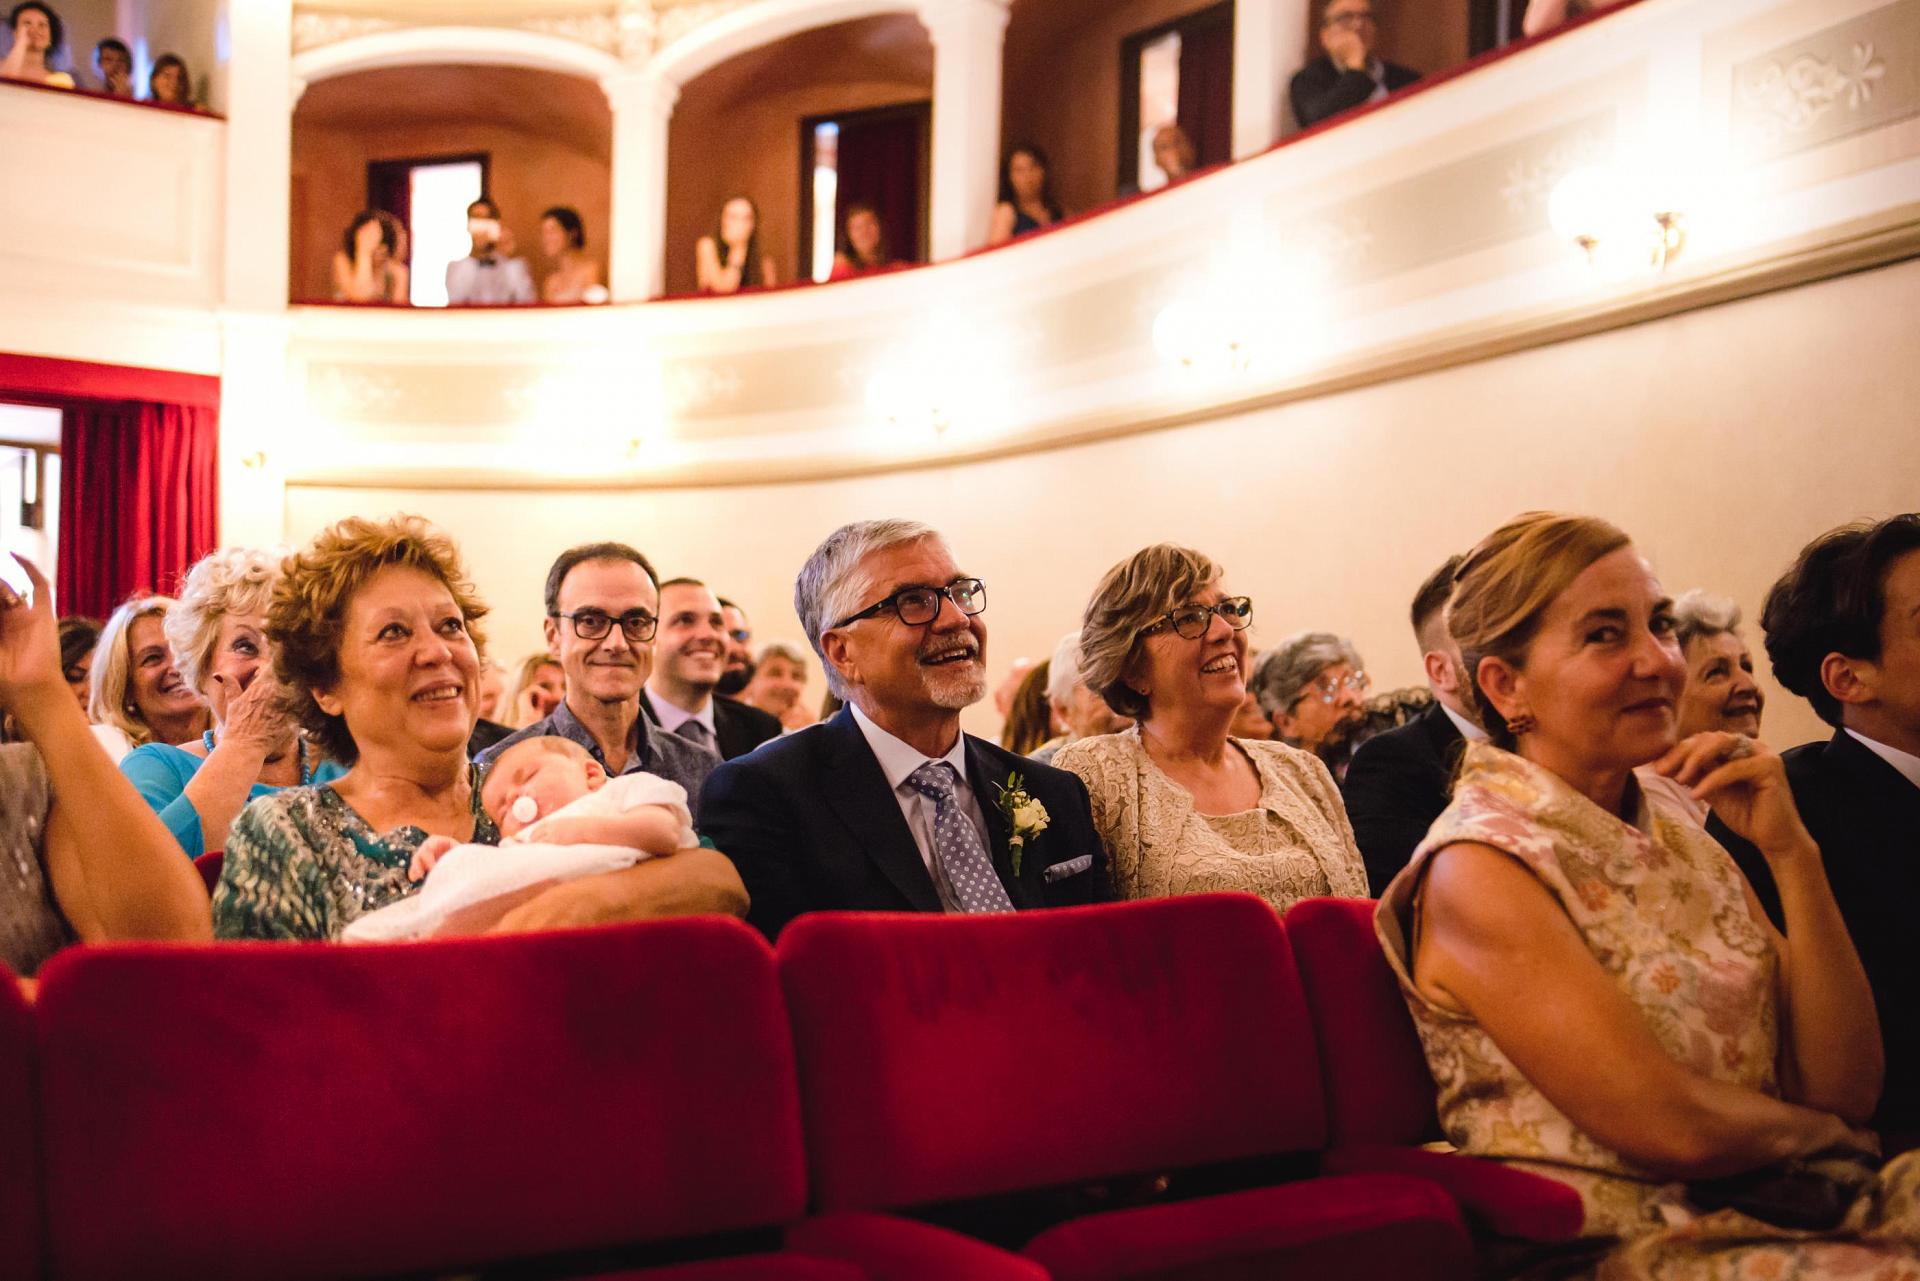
<point x="1183" y="807"/>
<point x="216" y="632"/>
<point x="1600" y="998"/>
<point x="138" y="695"/>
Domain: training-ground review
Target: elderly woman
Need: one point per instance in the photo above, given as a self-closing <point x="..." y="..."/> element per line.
<point x="1720" y="693"/>
<point x="372" y="628"/>
<point x="113" y="874"/>
<point x="217" y="632"/>
<point x="779" y="679"/>
<point x="1182" y="807"/>
<point x="1309" y="683"/>
<point x="138" y="694"/>
<point x="1600" y="997"/>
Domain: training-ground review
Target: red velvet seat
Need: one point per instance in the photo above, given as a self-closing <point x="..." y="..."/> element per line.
<point x="208" y="865"/>
<point x="1380" y="1096"/>
<point x="945" y="1059"/>
<point x="19" y="1155"/>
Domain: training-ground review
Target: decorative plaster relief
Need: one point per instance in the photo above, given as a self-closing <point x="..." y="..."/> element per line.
<point x="313" y="30"/>
<point x="1848" y="78"/>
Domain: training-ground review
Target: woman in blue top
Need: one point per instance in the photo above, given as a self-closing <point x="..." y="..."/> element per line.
<point x="217" y="634"/>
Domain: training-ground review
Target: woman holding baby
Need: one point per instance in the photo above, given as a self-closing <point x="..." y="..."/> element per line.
<point x="373" y="631"/>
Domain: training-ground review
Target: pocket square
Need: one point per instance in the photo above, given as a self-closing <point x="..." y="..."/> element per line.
<point x="1072" y="867"/>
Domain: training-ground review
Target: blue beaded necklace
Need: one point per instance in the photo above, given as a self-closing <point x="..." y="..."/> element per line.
<point x="299" y="745"/>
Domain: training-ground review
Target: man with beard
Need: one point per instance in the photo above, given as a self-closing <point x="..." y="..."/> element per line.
<point x="889" y="806"/>
<point x="693" y="653"/>
<point x="739" y="671"/>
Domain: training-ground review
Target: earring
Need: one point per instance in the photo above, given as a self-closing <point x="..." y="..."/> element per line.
<point x="1522" y="724"/>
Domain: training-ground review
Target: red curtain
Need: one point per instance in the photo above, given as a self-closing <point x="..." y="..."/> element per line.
<point x="139" y="500"/>
<point x="882" y="162"/>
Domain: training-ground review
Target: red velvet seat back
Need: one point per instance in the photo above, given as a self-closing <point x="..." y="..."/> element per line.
<point x="209" y="865"/>
<point x="1378" y="1086"/>
<point x="19" y="1149"/>
<point x="951" y="1057"/>
<point x="308" y="1110"/>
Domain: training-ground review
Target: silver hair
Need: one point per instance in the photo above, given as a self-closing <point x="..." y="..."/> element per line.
<point x="827" y="584"/>
<point x="782" y="650"/>
<point x="1294" y="663"/>
<point x="1063" y="670"/>
<point x="233" y="580"/>
<point x="1700" y="614"/>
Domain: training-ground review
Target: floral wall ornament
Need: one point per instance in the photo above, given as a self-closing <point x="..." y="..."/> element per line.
<point x="314" y="30"/>
<point x="1794" y="95"/>
<point x="1531" y="179"/>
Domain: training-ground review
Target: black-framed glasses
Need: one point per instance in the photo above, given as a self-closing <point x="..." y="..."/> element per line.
<point x="1192" y="621"/>
<point x="917" y="606"/>
<point x="637" y="625"/>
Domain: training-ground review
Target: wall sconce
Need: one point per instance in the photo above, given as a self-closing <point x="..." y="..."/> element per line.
<point x="1605" y="211"/>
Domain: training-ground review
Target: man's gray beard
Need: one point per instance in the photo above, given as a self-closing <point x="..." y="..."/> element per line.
<point x="954" y="696"/>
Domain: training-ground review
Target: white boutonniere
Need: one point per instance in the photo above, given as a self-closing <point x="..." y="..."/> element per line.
<point x="1025" y="816"/>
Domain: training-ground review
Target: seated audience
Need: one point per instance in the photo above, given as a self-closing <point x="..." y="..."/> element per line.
<point x="603" y="610"/>
<point x="1545" y="15"/>
<point x="1182" y="807"/>
<point x="169" y="83"/>
<point x="1720" y="693"/>
<point x="138" y="695"/>
<point x="538" y="693"/>
<point x="1026" y="196"/>
<point x="373" y="630"/>
<point x="1030" y="722"/>
<point x="1350" y="73"/>
<point x="370" y="265"/>
<point x="779" y="680"/>
<point x="1309" y="683"/>
<point x="491" y="727"/>
<point x="730" y="259"/>
<point x="690" y="657"/>
<point x="1380" y="714"/>
<point x="80" y="857"/>
<point x="489" y="275"/>
<point x="739" y="670"/>
<point x="79" y="637"/>
<point x="1400" y="781"/>
<point x="1843" y="630"/>
<point x="37" y="38"/>
<point x="217" y="634"/>
<point x="889" y="806"/>
<point x="863" y="244"/>
<point x="113" y="63"/>
<point x="1078" y="710"/>
<point x="575" y="277"/>
<point x="1600" y="999"/>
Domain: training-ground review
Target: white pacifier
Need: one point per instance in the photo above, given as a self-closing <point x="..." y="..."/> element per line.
<point x="525" y="810"/>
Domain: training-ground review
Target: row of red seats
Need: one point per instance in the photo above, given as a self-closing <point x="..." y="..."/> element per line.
<point x="681" y="1096"/>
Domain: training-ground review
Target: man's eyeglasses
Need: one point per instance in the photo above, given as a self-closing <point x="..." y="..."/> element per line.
<point x="637" y="625"/>
<point x="1327" y="688"/>
<point x="917" y="606"/>
<point x="1192" y="621"/>
<point x="1351" y="18"/>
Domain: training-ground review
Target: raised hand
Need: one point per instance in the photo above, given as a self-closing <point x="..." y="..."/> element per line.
<point x="1746" y="784"/>
<point x="257" y="715"/>
<point x="29" y="639"/>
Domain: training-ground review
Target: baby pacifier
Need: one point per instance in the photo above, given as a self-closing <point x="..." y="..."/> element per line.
<point x="525" y="810"/>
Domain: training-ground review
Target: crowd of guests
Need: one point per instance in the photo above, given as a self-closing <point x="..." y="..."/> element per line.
<point x="371" y="263"/>
<point x="39" y="39"/>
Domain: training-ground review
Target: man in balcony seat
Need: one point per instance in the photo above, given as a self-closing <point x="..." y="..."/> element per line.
<point x="889" y="806"/>
<point x="487" y="277"/>
<point x="1350" y="73"/>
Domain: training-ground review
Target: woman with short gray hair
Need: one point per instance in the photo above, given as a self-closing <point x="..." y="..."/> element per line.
<point x="1720" y="693"/>
<point x="1308" y="684"/>
<point x="1183" y="807"/>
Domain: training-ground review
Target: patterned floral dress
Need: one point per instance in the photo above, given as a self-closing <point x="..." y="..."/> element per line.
<point x="302" y="864"/>
<point x="1663" y="910"/>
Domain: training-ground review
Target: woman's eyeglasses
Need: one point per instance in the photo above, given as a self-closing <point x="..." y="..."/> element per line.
<point x="1327" y="688"/>
<point x="1192" y="621"/>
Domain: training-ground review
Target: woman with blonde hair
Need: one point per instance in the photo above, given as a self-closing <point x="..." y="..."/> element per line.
<point x="138" y="695"/>
<point x="217" y="634"/>
<point x="1600" y="998"/>
<point x="541" y="688"/>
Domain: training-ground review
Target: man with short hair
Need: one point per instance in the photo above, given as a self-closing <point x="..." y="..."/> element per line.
<point x="114" y="63"/>
<point x="603" y="610"/>
<point x="1309" y="683"/>
<point x="487" y="276"/>
<point x="1401" y="780"/>
<point x="739" y="673"/>
<point x="1350" y="73"/>
<point x="1083" y="712"/>
<point x="692" y="654"/>
<point x="1843" y="631"/>
<point x="889" y="806"/>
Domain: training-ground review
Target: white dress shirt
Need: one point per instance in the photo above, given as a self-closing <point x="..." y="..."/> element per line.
<point x="672" y="716"/>
<point x="1906" y="762"/>
<point x="898" y="760"/>
<point x="1468" y="730"/>
<point x="488" y="281"/>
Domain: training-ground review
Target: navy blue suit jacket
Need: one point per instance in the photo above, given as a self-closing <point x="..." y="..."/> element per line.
<point x="812" y="826"/>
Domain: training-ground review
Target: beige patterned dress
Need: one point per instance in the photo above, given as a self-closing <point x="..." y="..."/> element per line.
<point x="1663" y="910"/>
<point x="1296" y="843"/>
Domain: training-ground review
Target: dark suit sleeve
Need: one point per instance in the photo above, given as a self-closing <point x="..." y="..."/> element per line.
<point x="1094" y="885"/>
<point x="743" y="814"/>
<point x="1753" y="865"/>
<point x="1390" y="805"/>
<point x="1318" y="94"/>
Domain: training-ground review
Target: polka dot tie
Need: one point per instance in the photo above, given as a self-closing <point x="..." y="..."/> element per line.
<point x="957" y="850"/>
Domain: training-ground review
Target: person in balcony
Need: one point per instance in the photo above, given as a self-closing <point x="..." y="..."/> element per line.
<point x="863" y="244"/>
<point x="170" y="84"/>
<point x="1545" y="15"/>
<point x="575" y="278"/>
<point x="1026" y="196"/>
<point x="1173" y="154"/>
<point x="488" y="276"/>
<point x="730" y="259"/>
<point x="370" y="265"/>
<point x="138" y="695"/>
<point x="113" y="63"/>
<point x="37" y="37"/>
<point x="1350" y="73"/>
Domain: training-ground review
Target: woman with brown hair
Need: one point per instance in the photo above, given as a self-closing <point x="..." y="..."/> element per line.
<point x="1030" y="719"/>
<point x="1599" y="995"/>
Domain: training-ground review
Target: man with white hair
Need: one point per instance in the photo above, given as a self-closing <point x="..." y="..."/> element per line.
<point x="889" y="806"/>
<point x="1083" y="712"/>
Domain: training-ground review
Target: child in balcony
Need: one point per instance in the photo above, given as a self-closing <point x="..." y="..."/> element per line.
<point x="560" y="818"/>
